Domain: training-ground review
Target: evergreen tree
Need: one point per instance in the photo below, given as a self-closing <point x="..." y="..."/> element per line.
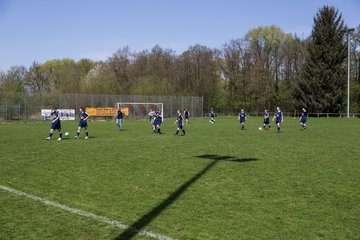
<point x="323" y="83"/>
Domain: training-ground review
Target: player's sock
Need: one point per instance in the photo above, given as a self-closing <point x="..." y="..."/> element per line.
<point x="177" y="131"/>
<point x="242" y="127"/>
<point x="184" y="132"/>
<point x="278" y="128"/>
<point x="87" y="134"/>
<point x="60" y="134"/>
<point x="77" y="134"/>
<point x="158" y="130"/>
<point x="50" y="135"/>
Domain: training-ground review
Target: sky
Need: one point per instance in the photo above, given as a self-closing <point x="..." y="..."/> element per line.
<point x="41" y="30"/>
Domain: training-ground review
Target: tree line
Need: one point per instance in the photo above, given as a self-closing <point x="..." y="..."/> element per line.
<point x="264" y="69"/>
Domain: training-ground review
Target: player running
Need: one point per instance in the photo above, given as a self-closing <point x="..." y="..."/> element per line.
<point x="55" y="124"/>
<point x="186" y="115"/>
<point x="242" y="118"/>
<point x="157" y="122"/>
<point x="212" y="116"/>
<point x="83" y="123"/>
<point x="303" y="119"/>
<point x="279" y="118"/>
<point x="266" y="120"/>
<point x="179" y="121"/>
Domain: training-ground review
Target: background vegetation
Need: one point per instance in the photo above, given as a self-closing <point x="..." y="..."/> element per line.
<point x="265" y="68"/>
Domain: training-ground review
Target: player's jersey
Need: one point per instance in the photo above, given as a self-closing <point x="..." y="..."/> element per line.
<point x="186" y="114"/>
<point x="157" y="119"/>
<point x="212" y="114"/>
<point x="120" y="115"/>
<point x="266" y="118"/>
<point x="266" y="115"/>
<point x="55" y="115"/>
<point x="151" y="113"/>
<point x="242" y="116"/>
<point x="83" y="115"/>
<point x="278" y="116"/>
<point x="303" y="116"/>
<point x="179" y="119"/>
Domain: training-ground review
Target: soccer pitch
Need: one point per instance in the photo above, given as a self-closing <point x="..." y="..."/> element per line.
<point x="218" y="182"/>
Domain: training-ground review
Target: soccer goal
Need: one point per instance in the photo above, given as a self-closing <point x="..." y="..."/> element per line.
<point x="141" y="110"/>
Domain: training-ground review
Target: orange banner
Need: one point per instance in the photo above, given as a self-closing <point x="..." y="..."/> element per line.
<point x="105" y="112"/>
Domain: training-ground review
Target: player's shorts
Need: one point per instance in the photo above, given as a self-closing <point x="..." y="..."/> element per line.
<point x="266" y="121"/>
<point x="186" y="117"/>
<point x="157" y="122"/>
<point x="278" y="121"/>
<point x="180" y="126"/>
<point x="303" y="120"/>
<point x="56" y="125"/>
<point x="242" y="120"/>
<point x="212" y="115"/>
<point x="82" y="124"/>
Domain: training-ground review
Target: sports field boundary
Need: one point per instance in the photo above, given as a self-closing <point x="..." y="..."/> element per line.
<point x="98" y="218"/>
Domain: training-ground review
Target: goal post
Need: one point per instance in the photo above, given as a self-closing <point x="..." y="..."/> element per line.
<point x="141" y="109"/>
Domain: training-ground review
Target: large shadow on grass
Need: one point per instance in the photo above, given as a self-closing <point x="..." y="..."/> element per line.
<point x="146" y="219"/>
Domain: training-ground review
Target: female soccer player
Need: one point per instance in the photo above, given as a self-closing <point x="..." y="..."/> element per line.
<point x="83" y="123"/>
<point x="242" y="118"/>
<point x="179" y="121"/>
<point x="279" y="118"/>
<point x="303" y="119"/>
<point x="119" y="118"/>
<point x="55" y="124"/>
<point x="212" y="116"/>
<point x="157" y="122"/>
<point x="266" y="119"/>
<point x="186" y="115"/>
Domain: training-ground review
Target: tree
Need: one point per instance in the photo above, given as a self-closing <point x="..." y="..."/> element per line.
<point x="37" y="80"/>
<point x="12" y="85"/>
<point x="235" y="66"/>
<point x="264" y="46"/>
<point x="322" y="88"/>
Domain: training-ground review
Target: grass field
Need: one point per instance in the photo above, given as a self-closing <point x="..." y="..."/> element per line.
<point x="215" y="183"/>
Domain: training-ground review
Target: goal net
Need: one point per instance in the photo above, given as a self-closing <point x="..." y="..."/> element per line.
<point x="141" y="110"/>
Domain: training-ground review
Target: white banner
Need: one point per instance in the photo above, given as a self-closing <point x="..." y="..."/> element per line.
<point x="65" y="114"/>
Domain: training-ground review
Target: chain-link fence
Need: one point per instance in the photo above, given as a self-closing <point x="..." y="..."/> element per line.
<point x="29" y="107"/>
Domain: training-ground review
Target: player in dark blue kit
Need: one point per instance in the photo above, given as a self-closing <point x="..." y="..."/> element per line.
<point x="186" y="115"/>
<point x="179" y="121"/>
<point x="55" y="123"/>
<point x="83" y="123"/>
<point x="266" y="119"/>
<point x="212" y="116"/>
<point x="242" y="118"/>
<point x="157" y="122"/>
<point x="119" y="118"/>
<point x="303" y="119"/>
<point x="278" y="116"/>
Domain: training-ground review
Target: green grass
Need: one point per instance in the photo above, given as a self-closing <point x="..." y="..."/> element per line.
<point x="216" y="183"/>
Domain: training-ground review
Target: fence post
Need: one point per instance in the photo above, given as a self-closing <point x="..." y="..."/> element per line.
<point x="25" y="112"/>
<point x="171" y="106"/>
<point x="6" y="115"/>
<point x="317" y="115"/>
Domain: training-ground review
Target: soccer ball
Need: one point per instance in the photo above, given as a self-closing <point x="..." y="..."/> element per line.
<point x="66" y="133"/>
<point x="260" y="128"/>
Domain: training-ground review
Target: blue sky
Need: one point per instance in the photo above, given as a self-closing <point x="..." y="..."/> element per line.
<point x="41" y="30"/>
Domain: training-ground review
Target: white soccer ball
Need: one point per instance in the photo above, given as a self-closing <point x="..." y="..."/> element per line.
<point x="66" y="133"/>
<point x="260" y="128"/>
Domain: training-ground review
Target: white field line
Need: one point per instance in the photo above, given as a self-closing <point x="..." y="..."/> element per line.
<point x="84" y="213"/>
